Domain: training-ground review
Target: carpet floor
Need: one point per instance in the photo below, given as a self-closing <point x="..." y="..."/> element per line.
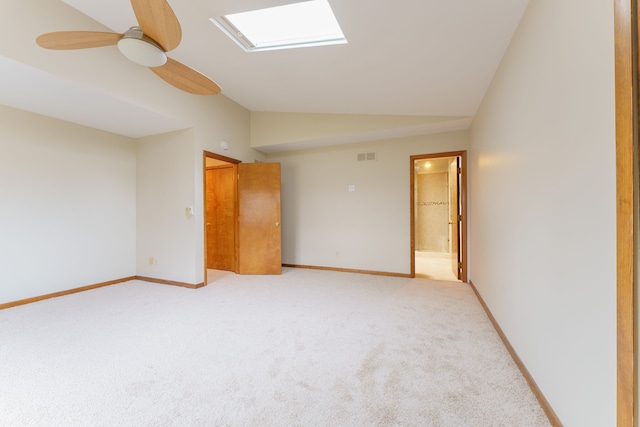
<point x="307" y="348"/>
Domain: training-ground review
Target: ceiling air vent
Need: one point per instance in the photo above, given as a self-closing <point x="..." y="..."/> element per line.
<point x="367" y="157"/>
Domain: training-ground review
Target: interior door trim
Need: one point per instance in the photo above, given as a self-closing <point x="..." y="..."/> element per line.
<point x="463" y="204"/>
<point x="205" y="155"/>
<point x="627" y="117"/>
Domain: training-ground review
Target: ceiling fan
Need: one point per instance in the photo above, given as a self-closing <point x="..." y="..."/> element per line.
<point x="158" y="32"/>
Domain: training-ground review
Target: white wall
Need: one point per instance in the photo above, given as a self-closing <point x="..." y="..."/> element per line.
<point x="323" y="224"/>
<point x="165" y="171"/>
<point x="67" y="210"/>
<point x="542" y="214"/>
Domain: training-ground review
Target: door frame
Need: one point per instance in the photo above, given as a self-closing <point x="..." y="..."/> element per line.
<point x="463" y="206"/>
<point x="205" y="155"/>
<point x="627" y="88"/>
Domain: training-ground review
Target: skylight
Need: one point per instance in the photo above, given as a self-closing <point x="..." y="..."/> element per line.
<point x="310" y="23"/>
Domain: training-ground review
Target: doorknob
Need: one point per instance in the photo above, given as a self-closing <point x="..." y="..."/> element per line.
<point x="277" y="224"/>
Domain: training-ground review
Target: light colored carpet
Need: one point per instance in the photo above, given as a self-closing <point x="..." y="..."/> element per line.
<point x="308" y="348"/>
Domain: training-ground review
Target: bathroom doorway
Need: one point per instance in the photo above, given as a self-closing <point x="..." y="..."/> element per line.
<point x="438" y="216"/>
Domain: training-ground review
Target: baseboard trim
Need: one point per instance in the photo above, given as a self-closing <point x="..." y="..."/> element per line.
<point x="348" y="270"/>
<point x="170" y="282"/>
<point x="544" y="403"/>
<point x="63" y="293"/>
<point x="98" y="285"/>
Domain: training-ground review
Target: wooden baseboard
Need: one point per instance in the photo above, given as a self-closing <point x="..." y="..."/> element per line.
<point x="98" y="285"/>
<point x="348" y="270"/>
<point x="170" y="282"/>
<point x="62" y="293"/>
<point x="544" y="403"/>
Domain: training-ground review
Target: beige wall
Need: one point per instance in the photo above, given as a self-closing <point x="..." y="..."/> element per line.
<point x="134" y="192"/>
<point x="323" y="224"/>
<point x="165" y="187"/>
<point x="307" y="130"/>
<point x="432" y="212"/>
<point x="67" y="205"/>
<point x="542" y="212"/>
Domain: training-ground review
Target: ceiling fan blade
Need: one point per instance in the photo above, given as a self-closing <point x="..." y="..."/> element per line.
<point x="186" y="78"/>
<point x="67" y="40"/>
<point x="157" y="20"/>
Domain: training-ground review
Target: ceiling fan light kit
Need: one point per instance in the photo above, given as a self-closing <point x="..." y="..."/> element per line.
<point x="158" y="32"/>
<point x="141" y="49"/>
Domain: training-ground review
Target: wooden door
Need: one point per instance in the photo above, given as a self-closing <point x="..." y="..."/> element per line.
<point x="221" y="217"/>
<point x="454" y="217"/>
<point x="259" y="235"/>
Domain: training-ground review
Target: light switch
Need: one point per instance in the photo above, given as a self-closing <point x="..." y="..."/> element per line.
<point x="352" y="188"/>
<point x="188" y="211"/>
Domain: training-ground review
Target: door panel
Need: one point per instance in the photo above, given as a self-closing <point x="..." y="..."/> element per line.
<point x="259" y="235"/>
<point x="221" y="217"/>
<point x="454" y="215"/>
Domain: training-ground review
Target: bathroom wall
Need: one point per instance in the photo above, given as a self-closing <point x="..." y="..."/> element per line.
<point x="432" y="212"/>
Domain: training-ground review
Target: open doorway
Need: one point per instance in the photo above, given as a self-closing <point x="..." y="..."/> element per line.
<point x="220" y="212"/>
<point x="241" y="217"/>
<point x="438" y="216"/>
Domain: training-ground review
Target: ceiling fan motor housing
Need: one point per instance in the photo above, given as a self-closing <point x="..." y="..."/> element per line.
<point x="141" y="49"/>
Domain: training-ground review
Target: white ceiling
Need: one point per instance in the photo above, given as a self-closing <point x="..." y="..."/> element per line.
<point x="31" y="89"/>
<point x="406" y="57"/>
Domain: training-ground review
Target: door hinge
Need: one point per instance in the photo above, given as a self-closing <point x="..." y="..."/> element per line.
<point x="459" y="171"/>
<point x="460" y="266"/>
<point x="460" y="218"/>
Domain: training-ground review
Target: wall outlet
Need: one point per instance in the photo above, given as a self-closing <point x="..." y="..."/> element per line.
<point x="156" y="261"/>
<point x="150" y="260"/>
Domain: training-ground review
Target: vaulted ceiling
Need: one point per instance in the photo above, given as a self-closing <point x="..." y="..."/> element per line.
<point x="406" y="57"/>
